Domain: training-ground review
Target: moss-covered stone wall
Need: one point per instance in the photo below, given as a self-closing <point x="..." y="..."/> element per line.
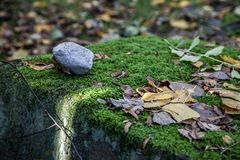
<point x="74" y="100"/>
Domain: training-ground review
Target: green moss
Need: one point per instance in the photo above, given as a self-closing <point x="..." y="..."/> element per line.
<point x="148" y="56"/>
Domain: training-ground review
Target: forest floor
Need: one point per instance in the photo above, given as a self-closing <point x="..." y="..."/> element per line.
<point x="34" y="27"/>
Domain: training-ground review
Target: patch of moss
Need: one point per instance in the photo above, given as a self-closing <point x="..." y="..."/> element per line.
<point x="140" y="56"/>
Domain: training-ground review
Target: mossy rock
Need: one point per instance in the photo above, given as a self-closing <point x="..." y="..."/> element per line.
<point x="96" y="130"/>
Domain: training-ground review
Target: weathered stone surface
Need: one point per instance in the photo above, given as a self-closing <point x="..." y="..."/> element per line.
<point x="73" y="57"/>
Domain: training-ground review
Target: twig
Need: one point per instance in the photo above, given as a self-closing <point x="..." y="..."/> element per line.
<point x="29" y="135"/>
<point x="45" y="109"/>
<point x="230" y="147"/>
<point x="198" y="54"/>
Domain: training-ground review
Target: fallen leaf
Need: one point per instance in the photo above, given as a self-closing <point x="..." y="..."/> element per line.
<point x="231" y="103"/>
<point x="220" y="75"/>
<point x="195" y="42"/>
<point x="190" y="58"/>
<point x="132" y="113"/>
<point x="149" y="120"/>
<point x="183" y="96"/>
<point x="127" y="126"/>
<point x="194" y="90"/>
<point x="148" y="96"/>
<point x="226" y="93"/>
<point x="235" y="74"/>
<point x="120" y="74"/>
<point x="19" y="54"/>
<point x="231" y="60"/>
<point x="42" y="27"/>
<point x="230" y="86"/>
<point x="105" y="17"/>
<point x="156" y="104"/>
<point x="157" y="2"/>
<point x="163" y="118"/>
<point x="182" y="24"/>
<point x="227" y="139"/>
<point x="207" y="113"/>
<point x="217" y="67"/>
<point x="145" y="142"/>
<point x="100" y="56"/>
<point x="215" y="51"/>
<point x="39" y="66"/>
<point x="191" y="134"/>
<point x="126" y="103"/>
<point x="198" y="64"/>
<point x="208" y="126"/>
<point x="232" y="111"/>
<point x="180" y="111"/>
<point x="128" y="92"/>
<point x="101" y="101"/>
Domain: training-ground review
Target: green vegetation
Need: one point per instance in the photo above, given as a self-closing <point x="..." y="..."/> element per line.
<point x="140" y="56"/>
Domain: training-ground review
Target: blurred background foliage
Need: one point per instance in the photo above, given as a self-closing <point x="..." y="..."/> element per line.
<point x="32" y="27"/>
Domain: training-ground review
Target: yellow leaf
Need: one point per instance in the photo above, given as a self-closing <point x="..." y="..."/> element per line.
<point x="227" y="93"/>
<point x="155" y="104"/>
<point x="157" y="2"/>
<point x="148" y="96"/>
<point x="183" y="96"/>
<point x="180" y="111"/>
<point x="182" y="24"/>
<point x="40" y="66"/>
<point x="198" y="64"/>
<point x="231" y="60"/>
<point x="230" y="86"/>
<point x="105" y="17"/>
<point x="228" y="110"/>
<point x="42" y="27"/>
<point x="227" y="139"/>
<point x="231" y="103"/>
<point x="183" y="3"/>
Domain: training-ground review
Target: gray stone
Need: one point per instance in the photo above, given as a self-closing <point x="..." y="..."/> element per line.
<point x="74" y="58"/>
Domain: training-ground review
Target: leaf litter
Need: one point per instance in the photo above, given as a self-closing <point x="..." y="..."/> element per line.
<point x="168" y="103"/>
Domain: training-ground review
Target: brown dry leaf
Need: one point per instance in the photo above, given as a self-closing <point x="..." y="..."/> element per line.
<point x="230" y="86"/>
<point x="42" y="27"/>
<point x="194" y="90"/>
<point x="132" y="113"/>
<point x="155" y="104"/>
<point x="180" y="111"/>
<point x="220" y="75"/>
<point x="231" y="60"/>
<point x="207" y="113"/>
<point x="145" y="142"/>
<point x="105" y="17"/>
<point x="39" y="66"/>
<point x="182" y="24"/>
<point x="191" y="134"/>
<point x="128" y="124"/>
<point x="231" y="103"/>
<point x="182" y="96"/>
<point x="163" y="118"/>
<point x="157" y="2"/>
<point x="208" y="126"/>
<point x="198" y="64"/>
<point x="227" y="139"/>
<point x="232" y="111"/>
<point x="151" y="82"/>
<point x="100" y="56"/>
<point x="149" y="120"/>
<point x="128" y="92"/>
<point x="120" y="74"/>
<point x="226" y="93"/>
<point x="165" y="95"/>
